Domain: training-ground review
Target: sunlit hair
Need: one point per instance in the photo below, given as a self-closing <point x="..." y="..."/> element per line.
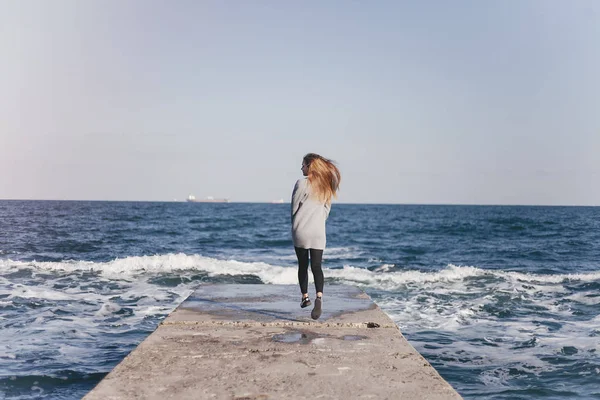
<point x="323" y="176"/>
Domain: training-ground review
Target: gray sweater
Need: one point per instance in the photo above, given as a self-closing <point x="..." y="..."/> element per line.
<point x="308" y="217"/>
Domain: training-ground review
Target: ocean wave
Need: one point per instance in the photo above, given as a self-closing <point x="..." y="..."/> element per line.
<point x="379" y="278"/>
<point x="131" y="267"/>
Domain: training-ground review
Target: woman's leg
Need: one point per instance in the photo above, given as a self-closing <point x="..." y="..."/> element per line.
<point x="316" y="258"/>
<point x="302" y="255"/>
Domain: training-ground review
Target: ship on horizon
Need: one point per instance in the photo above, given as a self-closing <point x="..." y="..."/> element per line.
<point x="192" y="199"/>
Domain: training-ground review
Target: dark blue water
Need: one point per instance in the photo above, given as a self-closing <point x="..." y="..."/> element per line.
<point x="503" y="301"/>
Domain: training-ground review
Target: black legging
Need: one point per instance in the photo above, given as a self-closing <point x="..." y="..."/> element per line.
<point x="316" y="256"/>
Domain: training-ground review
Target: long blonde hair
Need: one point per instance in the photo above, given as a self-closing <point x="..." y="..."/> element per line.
<point x="323" y="176"/>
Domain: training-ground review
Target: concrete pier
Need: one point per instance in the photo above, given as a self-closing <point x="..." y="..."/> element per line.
<point x="255" y="342"/>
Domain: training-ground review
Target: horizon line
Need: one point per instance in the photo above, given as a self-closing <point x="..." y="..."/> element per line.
<point x="339" y="203"/>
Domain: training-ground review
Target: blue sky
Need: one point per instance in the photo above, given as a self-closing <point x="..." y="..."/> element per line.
<point x="470" y="102"/>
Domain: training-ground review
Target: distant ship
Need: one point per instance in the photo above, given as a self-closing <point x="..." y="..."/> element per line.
<point x="280" y="201"/>
<point x="192" y="199"/>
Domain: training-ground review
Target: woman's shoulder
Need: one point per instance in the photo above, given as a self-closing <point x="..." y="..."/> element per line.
<point x="301" y="182"/>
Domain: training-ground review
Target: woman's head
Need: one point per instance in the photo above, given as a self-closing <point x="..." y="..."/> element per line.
<point x="324" y="177"/>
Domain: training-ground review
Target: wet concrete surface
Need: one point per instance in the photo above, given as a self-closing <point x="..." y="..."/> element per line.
<point x="270" y="303"/>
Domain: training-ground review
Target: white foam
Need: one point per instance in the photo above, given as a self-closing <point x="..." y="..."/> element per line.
<point x="108" y="309"/>
<point x="554" y="278"/>
<point x="37" y="292"/>
<point x="384" y="268"/>
<point x="400" y="279"/>
<point x="589" y="298"/>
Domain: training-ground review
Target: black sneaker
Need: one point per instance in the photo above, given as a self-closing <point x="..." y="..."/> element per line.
<point x="305" y="302"/>
<point x="316" y="312"/>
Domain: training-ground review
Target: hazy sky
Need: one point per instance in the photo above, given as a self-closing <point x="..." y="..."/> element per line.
<point x="472" y="102"/>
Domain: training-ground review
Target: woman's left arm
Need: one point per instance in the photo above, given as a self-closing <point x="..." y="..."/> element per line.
<point x="296" y="197"/>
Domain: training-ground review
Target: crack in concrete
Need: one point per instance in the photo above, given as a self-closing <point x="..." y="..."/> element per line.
<point x="248" y="324"/>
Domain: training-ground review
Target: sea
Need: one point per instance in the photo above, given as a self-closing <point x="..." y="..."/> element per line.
<point x="504" y="301"/>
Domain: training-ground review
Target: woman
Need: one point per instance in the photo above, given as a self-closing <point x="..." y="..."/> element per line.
<point x="311" y="202"/>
